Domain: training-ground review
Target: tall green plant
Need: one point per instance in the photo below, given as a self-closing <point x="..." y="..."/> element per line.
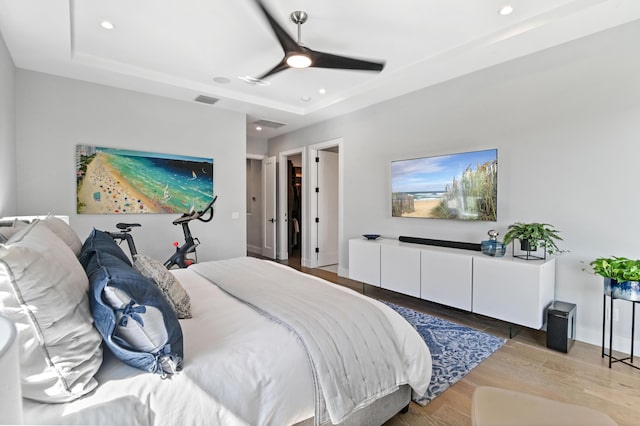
<point x="617" y="268"/>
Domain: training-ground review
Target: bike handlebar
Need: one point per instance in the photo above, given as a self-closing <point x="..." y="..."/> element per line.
<point x="187" y="217"/>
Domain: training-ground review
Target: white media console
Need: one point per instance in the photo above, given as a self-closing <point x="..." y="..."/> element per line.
<point x="506" y="288"/>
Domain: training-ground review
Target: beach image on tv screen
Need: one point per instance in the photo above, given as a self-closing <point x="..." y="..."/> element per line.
<point x="119" y="181"/>
<point x="456" y="186"/>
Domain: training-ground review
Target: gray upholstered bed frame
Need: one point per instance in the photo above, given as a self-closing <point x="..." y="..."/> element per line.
<point x="378" y="412"/>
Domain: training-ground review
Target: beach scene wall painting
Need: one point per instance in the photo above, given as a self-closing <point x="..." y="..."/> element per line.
<point x="460" y="186"/>
<point x="120" y="181"/>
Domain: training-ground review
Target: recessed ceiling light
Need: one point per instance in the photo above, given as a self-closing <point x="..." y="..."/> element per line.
<point x="221" y="80"/>
<point x="107" y="25"/>
<point x="322" y="91"/>
<point x="506" y="10"/>
<point x="258" y="128"/>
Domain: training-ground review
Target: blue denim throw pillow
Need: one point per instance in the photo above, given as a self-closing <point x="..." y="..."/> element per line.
<point x="136" y="322"/>
<point x="100" y="241"/>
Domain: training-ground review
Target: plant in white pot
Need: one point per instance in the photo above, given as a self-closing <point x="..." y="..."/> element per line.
<point x="621" y="276"/>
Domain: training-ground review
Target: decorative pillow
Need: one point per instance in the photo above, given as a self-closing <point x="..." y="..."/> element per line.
<point x="43" y="289"/>
<point x="64" y="231"/>
<point x="7" y="232"/>
<point x="175" y="294"/>
<point x="133" y="317"/>
<point x="100" y="241"/>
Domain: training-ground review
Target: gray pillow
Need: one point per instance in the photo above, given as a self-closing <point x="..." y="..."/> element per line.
<point x="44" y="290"/>
<point x="64" y="231"/>
<point x="175" y="294"/>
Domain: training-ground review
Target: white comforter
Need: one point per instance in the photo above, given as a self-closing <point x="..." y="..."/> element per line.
<point x="353" y="350"/>
<point x="240" y="369"/>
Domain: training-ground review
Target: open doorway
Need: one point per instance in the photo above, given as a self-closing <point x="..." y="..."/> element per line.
<point x="291" y="206"/>
<point x="294" y="208"/>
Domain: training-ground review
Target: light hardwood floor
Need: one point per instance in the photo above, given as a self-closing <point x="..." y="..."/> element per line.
<point x="523" y="364"/>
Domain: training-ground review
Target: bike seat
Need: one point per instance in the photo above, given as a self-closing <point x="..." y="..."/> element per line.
<point x="124" y="226"/>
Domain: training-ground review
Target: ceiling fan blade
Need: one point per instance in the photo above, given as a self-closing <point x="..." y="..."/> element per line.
<point x="288" y="44"/>
<point x="318" y="59"/>
<point x="327" y="60"/>
<point x="280" y="67"/>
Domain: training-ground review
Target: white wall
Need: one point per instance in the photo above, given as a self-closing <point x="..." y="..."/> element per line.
<point x="257" y="146"/>
<point x="54" y="114"/>
<point x="8" y="188"/>
<point x="566" y="123"/>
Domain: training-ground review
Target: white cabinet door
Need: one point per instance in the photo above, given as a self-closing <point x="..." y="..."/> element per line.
<point x="400" y="269"/>
<point x="446" y="278"/>
<point x="516" y="291"/>
<point x="364" y="261"/>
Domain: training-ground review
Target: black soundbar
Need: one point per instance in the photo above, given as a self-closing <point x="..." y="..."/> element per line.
<point x="441" y="243"/>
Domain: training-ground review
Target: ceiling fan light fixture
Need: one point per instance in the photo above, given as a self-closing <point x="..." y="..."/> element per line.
<point x="297" y="55"/>
<point x="299" y="61"/>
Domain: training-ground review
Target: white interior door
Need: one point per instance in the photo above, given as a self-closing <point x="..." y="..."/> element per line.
<point x="269" y="197"/>
<point x="327" y="219"/>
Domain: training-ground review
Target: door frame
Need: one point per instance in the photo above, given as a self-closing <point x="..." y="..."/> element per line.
<point x="264" y="206"/>
<point x="282" y="229"/>
<point x="308" y="229"/>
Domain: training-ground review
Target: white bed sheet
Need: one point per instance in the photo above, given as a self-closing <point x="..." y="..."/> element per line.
<point x="224" y="361"/>
<point x="227" y="377"/>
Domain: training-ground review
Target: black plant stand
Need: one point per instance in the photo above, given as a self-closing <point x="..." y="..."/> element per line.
<point x="528" y="255"/>
<point x="626" y="360"/>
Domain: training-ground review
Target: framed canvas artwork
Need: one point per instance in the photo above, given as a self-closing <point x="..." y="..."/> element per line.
<point x="120" y="181"/>
<point x="460" y="186"/>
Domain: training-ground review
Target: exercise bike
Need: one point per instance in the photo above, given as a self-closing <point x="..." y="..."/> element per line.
<point x="181" y="257"/>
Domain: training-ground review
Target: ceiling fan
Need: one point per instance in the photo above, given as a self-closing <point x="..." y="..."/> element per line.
<point x="296" y="55"/>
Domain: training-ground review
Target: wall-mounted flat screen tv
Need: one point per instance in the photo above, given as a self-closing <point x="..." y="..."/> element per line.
<point x="456" y="186"/>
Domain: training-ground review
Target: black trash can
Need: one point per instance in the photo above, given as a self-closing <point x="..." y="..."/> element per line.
<point x="561" y="326"/>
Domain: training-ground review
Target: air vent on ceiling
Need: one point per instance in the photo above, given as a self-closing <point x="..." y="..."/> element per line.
<point x="206" y="99"/>
<point x="270" y="124"/>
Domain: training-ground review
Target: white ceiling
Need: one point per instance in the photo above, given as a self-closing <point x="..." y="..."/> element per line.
<point x="177" y="48"/>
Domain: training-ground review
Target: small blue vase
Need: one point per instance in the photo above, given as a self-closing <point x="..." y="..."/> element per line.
<point x="627" y="290"/>
<point x="493" y="247"/>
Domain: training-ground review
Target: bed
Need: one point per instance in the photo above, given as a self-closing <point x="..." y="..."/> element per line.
<point x="248" y="357"/>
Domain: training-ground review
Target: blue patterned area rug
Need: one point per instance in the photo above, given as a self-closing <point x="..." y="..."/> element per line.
<point x="455" y="349"/>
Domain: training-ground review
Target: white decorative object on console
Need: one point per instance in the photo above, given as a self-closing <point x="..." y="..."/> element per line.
<point x="506" y="288"/>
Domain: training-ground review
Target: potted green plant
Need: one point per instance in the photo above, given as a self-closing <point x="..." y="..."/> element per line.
<point x="621" y="276"/>
<point x="534" y="235"/>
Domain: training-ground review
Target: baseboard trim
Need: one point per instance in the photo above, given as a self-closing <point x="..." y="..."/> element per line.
<point x="254" y="249"/>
